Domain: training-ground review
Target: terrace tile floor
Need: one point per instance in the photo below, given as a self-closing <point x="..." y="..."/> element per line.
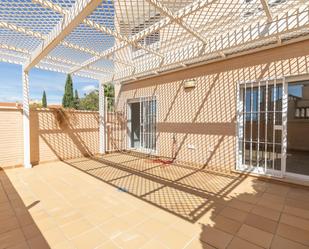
<point x="128" y="201"/>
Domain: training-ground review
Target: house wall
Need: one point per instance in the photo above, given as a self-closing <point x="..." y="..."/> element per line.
<point x="11" y="137"/>
<point x="205" y="117"/>
<point x="76" y="135"/>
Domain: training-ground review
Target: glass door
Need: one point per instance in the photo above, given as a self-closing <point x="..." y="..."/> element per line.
<point x="261" y="117"/>
<point x="148" y="123"/>
<point x="297" y="163"/>
<point x="142" y="121"/>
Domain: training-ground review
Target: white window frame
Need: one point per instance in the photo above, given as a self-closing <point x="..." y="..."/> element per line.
<point x="239" y="128"/>
<point x="140" y="148"/>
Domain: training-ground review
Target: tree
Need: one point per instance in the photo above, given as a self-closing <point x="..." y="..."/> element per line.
<point x="68" y="97"/>
<point x="44" y="100"/>
<point x="90" y="101"/>
<point x="76" y="100"/>
<point x="109" y="93"/>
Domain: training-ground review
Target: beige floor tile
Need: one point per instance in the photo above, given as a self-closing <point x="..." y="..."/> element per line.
<point x="68" y="217"/>
<point x="244" y="206"/>
<point x="273" y="198"/>
<point x="67" y="196"/>
<point x="165" y="217"/>
<point x="46" y="224"/>
<point x="215" y="237"/>
<point x="114" y="227"/>
<point x="108" y="245"/>
<point x="31" y="231"/>
<point x="154" y="244"/>
<point x="238" y="243"/>
<point x="266" y="212"/>
<point x="282" y="243"/>
<point x="12" y="238"/>
<point x="135" y="217"/>
<point x="4" y="214"/>
<point x="299" y="194"/>
<point x="173" y="238"/>
<point x="293" y="233"/>
<point x="278" y="190"/>
<point x="25" y="219"/>
<point x="23" y="245"/>
<point x="38" y="242"/>
<point x="64" y="245"/>
<point x="234" y="214"/>
<point x="295" y="221"/>
<point x="130" y="239"/>
<point x="120" y="210"/>
<point x="255" y="236"/>
<point x="261" y="223"/>
<point x="271" y="204"/>
<point x="297" y="203"/>
<point x="226" y="224"/>
<point x="54" y="236"/>
<point x="89" y="240"/>
<point x="8" y="224"/>
<point x="98" y="219"/>
<point x="40" y="215"/>
<point x="151" y="227"/>
<point x="299" y="212"/>
<point x="198" y="244"/>
<point x="76" y="227"/>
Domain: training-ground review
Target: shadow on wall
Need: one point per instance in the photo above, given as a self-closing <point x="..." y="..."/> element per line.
<point x="194" y="126"/>
<point x="17" y="227"/>
<point x="197" y="125"/>
<point x="57" y="134"/>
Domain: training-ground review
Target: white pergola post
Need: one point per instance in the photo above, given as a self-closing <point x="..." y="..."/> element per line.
<point x="102" y="132"/>
<point x="26" y="119"/>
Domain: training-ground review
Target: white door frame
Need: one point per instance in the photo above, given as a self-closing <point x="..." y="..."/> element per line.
<point x="140" y="100"/>
<point x="240" y="128"/>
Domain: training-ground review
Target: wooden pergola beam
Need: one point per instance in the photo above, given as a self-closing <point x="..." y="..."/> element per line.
<point x="78" y="12"/>
<point x="267" y="10"/>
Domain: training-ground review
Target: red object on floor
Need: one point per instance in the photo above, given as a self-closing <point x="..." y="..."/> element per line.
<point x="162" y="161"/>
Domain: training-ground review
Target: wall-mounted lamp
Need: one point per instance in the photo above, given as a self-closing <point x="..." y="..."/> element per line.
<point x="189" y="84"/>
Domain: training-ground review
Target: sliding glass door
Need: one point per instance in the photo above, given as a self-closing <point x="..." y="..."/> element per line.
<point x="261" y="116"/>
<point x="142" y="124"/>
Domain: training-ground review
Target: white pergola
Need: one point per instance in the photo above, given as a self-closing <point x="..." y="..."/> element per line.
<point x="124" y="40"/>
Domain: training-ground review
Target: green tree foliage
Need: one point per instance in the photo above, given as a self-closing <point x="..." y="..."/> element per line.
<point x="109" y="93"/>
<point x="44" y="100"/>
<point x="34" y="105"/>
<point x="90" y="101"/>
<point x="76" y="100"/>
<point x="68" y="97"/>
<point x="109" y="90"/>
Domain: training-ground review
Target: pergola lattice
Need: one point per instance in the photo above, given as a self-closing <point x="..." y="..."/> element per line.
<point x="121" y="40"/>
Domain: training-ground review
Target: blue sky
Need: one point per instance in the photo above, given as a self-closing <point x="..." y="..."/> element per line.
<point x="51" y="82"/>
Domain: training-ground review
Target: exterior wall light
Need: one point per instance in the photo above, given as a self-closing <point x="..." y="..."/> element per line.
<point x="189" y="84"/>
